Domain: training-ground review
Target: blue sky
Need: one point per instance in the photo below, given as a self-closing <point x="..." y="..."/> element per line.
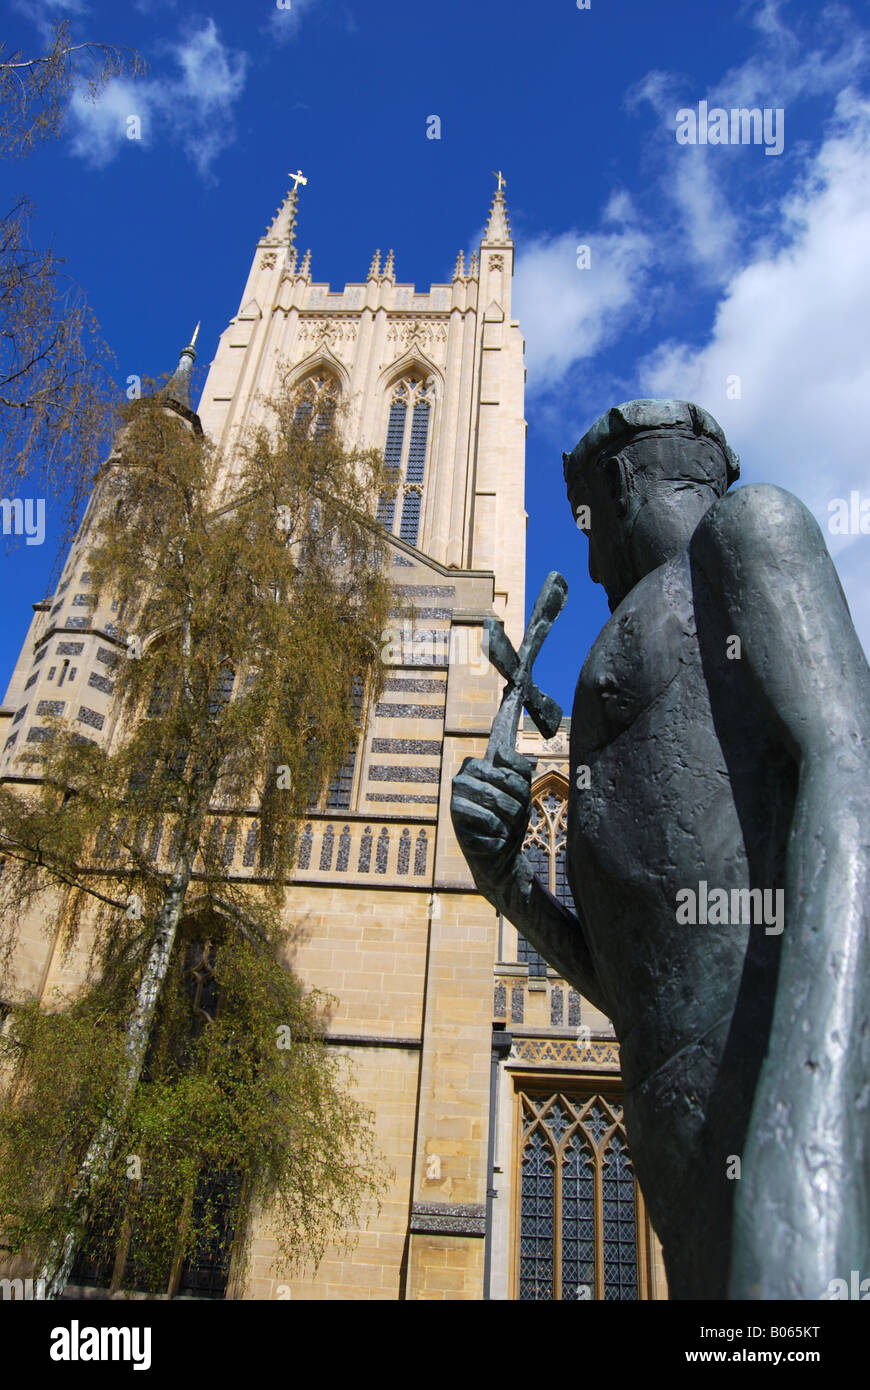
<point x="708" y="262"/>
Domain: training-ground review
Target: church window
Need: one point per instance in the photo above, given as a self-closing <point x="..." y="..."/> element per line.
<point x="338" y="793"/>
<point x="410" y="524"/>
<point x="315" y="411"/>
<point x="544" y="847"/>
<point x="222" y="692"/>
<point x="582" y="1228"/>
<point x="405" y="454"/>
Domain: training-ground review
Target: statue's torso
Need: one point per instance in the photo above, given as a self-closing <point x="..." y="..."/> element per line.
<point x="689" y="781"/>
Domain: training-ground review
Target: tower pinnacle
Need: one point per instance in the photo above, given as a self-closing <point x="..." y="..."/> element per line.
<point x="282" y="231"/>
<point x="498" y="230"/>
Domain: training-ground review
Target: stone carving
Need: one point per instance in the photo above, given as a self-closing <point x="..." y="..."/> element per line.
<point x="717" y="851"/>
<point x="331" y="331"/>
<point x="557" y="744"/>
<point x="427" y="335"/>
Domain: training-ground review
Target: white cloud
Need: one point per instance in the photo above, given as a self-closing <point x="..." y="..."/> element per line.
<point x="285" y="21"/>
<point x="99" y="127"/>
<point x="715" y="191"/>
<point x="194" y="108"/>
<point x="792" y="325"/>
<point x="790" y="65"/>
<point x="786" y="249"/>
<point x="708" y="220"/>
<point x="569" y="313"/>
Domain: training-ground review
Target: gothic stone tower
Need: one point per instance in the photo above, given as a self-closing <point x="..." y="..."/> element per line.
<point x="495" y="1088"/>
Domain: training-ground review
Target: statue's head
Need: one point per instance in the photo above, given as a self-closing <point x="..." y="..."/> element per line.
<point x="639" y="482"/>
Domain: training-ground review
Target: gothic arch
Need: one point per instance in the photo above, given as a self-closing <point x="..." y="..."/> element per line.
<point x="551" y="781"/>
<point x="322" y="359"/>
<point x="410" y="362"/>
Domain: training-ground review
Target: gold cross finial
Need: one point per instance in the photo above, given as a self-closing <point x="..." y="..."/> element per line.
<point x="501" y="179"/>
<point x="297" y="178"/>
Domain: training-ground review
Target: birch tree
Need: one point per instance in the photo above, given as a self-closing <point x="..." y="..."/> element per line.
<point x="251" y="607"/>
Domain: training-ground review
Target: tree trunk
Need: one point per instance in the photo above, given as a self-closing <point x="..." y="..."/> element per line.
<point x="59" y="1261"/>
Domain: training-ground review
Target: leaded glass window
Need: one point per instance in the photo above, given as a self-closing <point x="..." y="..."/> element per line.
<point x="408" y="428"/>
<point x="338" y="793"/>
<point x="315" y="412"/>
<point x="580" y="1209"/>
<point x="222" y="691"/>
<point x="544" y="848"/>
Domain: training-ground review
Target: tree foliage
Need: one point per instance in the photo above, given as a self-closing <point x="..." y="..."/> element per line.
<point x="251" y="602"/>
<point x="35" y="92"/>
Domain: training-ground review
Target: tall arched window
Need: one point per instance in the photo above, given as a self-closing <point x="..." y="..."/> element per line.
<point x="315" y="411"/>
<point x="408" y="428"/>
<point x="582" y="1228"/>
<point x="544" y="847"/>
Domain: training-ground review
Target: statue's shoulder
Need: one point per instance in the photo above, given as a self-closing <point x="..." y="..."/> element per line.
<point x="759" y="521"/>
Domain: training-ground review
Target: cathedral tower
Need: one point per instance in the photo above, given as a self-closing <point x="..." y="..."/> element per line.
<point x="471" y="1054"/>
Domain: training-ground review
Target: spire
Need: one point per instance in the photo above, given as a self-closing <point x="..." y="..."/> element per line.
<point x="498" y="230"/>
<point x="459" y="268"/>
<point x="473" y="268"/>
<point x="389" y="268"/>
<point x="305" y="268"/>
<point x="282" y="231"/>
<point x="375" y="267"/>
<point x="177" y="388"/>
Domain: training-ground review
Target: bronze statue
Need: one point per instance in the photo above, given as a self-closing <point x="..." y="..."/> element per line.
<point x="720" y="760"/>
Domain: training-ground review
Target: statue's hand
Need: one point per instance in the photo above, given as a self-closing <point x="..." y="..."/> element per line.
<point x="490" y="810"/>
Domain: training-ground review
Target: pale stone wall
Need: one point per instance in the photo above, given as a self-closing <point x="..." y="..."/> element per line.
<point x="384" y="909"/>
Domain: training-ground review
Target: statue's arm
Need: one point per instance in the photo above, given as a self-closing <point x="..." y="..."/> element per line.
<point x="808" y="1146"/>
<point x="490" y="811"/>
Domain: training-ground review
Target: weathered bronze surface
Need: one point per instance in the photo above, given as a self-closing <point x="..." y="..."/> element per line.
<point x="723" y="715"/>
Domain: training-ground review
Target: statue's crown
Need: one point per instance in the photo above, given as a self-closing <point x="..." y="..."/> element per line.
<point x="623" y="423"/>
